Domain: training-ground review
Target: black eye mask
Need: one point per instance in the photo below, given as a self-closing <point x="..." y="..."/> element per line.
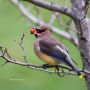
<point x="40" y="31"/>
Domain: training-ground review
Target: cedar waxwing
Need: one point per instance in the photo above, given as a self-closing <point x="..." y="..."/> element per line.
<point x="50" y="50"/>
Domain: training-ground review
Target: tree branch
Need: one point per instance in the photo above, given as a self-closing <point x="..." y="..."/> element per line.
<point x="36" y="67"/>
<point x="40" y="67"/>
<point x="22" y="47"/>
<point x="59" y="20"/>
<point x="53" y="18"/>
<point x="51" y="7"/>
<point x="37" y="21"/>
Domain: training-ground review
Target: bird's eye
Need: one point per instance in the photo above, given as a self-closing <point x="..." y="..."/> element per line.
<point x="40" y="31"/>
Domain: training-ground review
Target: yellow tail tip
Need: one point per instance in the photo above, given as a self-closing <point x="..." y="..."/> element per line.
<point x="80" y="76"/>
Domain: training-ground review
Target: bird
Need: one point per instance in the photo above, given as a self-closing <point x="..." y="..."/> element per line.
<point x="50" y="50"/>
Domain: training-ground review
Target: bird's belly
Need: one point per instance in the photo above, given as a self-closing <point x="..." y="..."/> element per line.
<point x="47" y="59"/>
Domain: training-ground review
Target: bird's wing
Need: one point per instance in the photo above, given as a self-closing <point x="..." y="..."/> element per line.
<point x="52" y="48"/>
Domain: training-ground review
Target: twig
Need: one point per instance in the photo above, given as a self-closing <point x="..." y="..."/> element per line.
<point x="40" y="67"/>
<point x="73" y="38"/>
<point x="54" y="7"/>
<point x="53" y="17"/>
<point x="6" y="51"/>
<point x="65" y="25"/>
<point x="38" y="13"/>
<point x="36" y="67"/>
<point x="21" y="45"/>
<point x="36" y="21"/>
<point x="30" y="17"/>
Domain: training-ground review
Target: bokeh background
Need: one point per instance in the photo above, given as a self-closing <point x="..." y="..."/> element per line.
<point x="15" y="77"/>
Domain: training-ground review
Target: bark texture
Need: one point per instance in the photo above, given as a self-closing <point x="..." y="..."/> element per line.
<point x="79" y="8"/>
<point x="84" y="46"/>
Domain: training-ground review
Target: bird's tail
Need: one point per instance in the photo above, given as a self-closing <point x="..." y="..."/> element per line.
<point x="78" y="73"/>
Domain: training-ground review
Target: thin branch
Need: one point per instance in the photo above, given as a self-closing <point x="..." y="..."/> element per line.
<point x="59" y="20"/>
<point x="29" y="8"/>
<point x="73" y="38"/>
<point x="36" y="21"/>
<point x="51" y="7"/>
<point x="22" y="47"/>
<point x="38" y="9"/>
<point x="59" y="32"/>
<point x="40" y="67"/>
<point x="6" y="51"/>
<point x="36" y="67"/>
<point x="53" y="18"/>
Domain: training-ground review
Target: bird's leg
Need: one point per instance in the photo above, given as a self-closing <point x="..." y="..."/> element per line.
<point x="57" y="70"/>
<point x="45" y="66"/>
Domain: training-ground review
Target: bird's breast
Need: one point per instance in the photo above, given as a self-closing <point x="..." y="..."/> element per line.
<point x="47" y="59"/>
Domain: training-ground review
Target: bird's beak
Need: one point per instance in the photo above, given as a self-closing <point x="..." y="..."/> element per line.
<point x="35" y="32"/>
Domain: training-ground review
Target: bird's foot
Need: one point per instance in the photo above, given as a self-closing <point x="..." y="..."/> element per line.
<point x="45" y="66"/>
<point x="57" y="71"/>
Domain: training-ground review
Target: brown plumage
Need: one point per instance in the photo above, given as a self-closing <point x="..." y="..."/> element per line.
<point x="50" y="50"/>
<point x="47" y="38"/>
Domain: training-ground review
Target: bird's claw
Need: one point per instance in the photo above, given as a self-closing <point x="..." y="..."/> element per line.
<point x="45" y="66"/>
<point x="58" y="73"/>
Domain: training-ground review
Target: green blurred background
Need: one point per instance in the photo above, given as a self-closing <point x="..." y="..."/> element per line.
<point x="15" y="77"/>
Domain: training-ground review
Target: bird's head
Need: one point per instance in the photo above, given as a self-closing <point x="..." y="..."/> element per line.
<point x="40" y="31"/>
